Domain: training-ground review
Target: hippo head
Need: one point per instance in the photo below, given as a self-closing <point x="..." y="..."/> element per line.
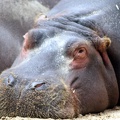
<point x="63" y="70"/>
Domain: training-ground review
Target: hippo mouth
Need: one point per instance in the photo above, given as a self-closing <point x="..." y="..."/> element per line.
<point x="52" y="102"/>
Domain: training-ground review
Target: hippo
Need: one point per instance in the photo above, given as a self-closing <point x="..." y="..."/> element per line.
<point x="15" y="20"/>
<point x="69" y="63"/>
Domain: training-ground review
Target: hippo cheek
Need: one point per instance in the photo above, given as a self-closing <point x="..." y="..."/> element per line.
<point x="90" y="82"/>
<point x="89" y="95"/>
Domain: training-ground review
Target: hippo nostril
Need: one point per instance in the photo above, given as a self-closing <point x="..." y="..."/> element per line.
<point x="11" y="81"/>
<point x="38" y="86"/>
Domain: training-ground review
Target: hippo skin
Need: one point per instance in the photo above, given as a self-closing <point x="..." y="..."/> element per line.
<point x="69" y="63"/>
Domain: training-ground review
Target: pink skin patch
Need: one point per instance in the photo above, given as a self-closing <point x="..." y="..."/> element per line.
<point x="76" y="64"/>
<point x="24" y="51"/>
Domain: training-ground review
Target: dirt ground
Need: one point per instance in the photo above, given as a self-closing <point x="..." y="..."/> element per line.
<point x="110" y="114"/>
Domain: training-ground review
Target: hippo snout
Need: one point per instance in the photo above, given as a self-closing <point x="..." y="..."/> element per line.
<point x="11" y="81"/>
<point x="35" y="98"/>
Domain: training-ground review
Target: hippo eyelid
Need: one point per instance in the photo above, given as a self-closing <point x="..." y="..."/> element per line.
<point x="71" y="48"/>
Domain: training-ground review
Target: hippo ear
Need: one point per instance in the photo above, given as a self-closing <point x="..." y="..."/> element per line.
<point x="102" y="44"/>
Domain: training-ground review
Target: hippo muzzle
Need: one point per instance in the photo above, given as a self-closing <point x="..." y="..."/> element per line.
<point x="36" y="99"/>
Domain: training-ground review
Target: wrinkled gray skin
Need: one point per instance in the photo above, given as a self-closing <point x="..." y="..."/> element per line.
<point x="64" y="67"/>
<point x="16" y="18"/>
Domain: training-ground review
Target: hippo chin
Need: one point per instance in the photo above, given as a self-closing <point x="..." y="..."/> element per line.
<point x="65" y="66"/>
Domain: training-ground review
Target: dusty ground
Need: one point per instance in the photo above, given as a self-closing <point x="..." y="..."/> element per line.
<point x="111" y="114"/>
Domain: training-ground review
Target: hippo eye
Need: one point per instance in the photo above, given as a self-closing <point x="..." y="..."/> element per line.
<point x="80" y="53"/>
<point x="80" y="58"/>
